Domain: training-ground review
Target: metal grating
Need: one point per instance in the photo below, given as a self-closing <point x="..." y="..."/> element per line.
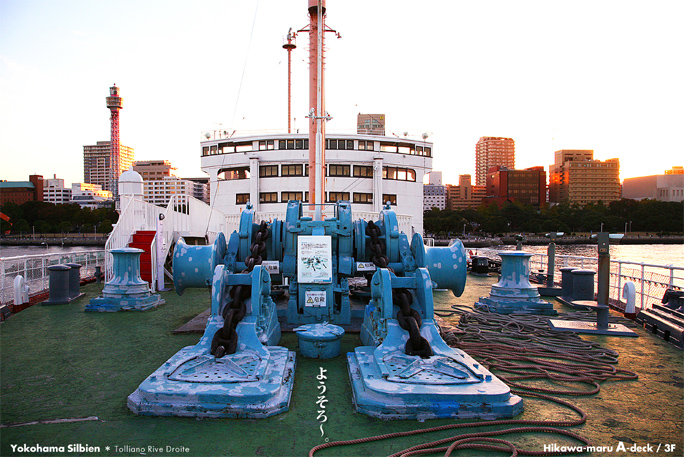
<point x="239" y="367"/>
<point x="435" y="370"/>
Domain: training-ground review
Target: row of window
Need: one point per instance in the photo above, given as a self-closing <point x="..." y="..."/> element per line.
<point x="332" y="197"/>
<point x="331" y="144"/>
<point x="359" y="171"/>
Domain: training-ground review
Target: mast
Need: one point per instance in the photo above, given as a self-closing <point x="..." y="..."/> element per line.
<point x="317" y="106"/>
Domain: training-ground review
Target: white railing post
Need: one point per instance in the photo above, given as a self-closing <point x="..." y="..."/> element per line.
<point x="643" y="268"/>
<point x="619" y="287"/>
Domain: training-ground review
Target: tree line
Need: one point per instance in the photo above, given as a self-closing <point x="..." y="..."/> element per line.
<point x="653" y="216"/>
<point x="41" y="217"/>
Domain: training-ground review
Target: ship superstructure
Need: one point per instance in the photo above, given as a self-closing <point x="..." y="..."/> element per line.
<point x="366" y="170"/>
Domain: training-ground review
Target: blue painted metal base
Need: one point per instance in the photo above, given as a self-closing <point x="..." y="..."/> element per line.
<point x="319" y="341"/>
<point x="126" y="291"/>
<point x="388" y="384"/>
<point x="514" y="293"/>
<point x="193" y="383"/>
<point x="516" y="306"/>
<point x="254" y="382"/>
<point x="113" y="304"/>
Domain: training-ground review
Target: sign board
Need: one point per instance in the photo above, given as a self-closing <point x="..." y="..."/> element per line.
<point x="272" y="266"/>
<point x="314" y="259"/>
<point x="365" y="266"/>
<point x="314" y="298"/>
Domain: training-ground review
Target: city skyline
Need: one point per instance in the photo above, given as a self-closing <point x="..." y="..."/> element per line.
<point x="549" y="76"/>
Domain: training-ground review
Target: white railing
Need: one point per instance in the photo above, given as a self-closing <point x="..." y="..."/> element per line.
<point x="651" y="280"/>
<point x="136" y="215"/>
<point x="183" y="215"/>
<point x="34" y="269"/>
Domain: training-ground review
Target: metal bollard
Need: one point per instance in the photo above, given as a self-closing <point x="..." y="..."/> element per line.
<point x="566" y="280"/>
<point x="583" y="284"/>
<point x="74" y="280"/>
<point x="98" y="274"/>
<point x="59" y="285"/>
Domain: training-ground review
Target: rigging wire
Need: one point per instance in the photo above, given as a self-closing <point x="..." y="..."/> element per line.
<point x="212" y="200"/>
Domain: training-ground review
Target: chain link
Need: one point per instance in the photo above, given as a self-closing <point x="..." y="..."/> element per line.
<point x="409" y="318"/>
<point x="225" y="338"/>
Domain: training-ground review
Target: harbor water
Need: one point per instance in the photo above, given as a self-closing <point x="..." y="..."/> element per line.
<point x="660" y="254"/>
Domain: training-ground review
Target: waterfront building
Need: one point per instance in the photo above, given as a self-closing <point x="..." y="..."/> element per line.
<point x="20" y="192"/>
<point x="526" y="186"/>
<point x="465" y="195"/>
<point x="269" y="170"/>
<point x="92" y="196"/>
<point x="161" y="191"/>
<point x="668" y="187"/>
<point x="434" y="192"/>
<point x="161" y="183"/>
<point x="98" y="166"/>
<point x="490" y="152"/>
<point x="55" y="192"/>
<point x="154" y="170"/>
<point x="201" y="192"/>
<point x="576" y="177"/>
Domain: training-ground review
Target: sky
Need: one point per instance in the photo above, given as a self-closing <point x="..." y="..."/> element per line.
<point x="604" y="75"/>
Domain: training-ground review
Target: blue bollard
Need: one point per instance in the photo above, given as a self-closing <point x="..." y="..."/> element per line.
<point x="514" y="293"/>
<point x="126" y="291"/>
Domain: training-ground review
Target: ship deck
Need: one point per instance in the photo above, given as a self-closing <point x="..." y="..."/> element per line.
<point x="61" y="365"/>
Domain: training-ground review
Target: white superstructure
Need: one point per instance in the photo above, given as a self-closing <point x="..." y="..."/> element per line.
<point x="269" y="170"/>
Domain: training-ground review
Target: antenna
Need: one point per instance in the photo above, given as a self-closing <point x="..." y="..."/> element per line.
<point x="289" y="46"/>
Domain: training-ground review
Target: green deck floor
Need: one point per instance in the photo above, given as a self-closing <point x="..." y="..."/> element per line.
<point x="59" y="362"/>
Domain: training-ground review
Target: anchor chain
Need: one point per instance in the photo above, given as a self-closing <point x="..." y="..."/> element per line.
<point x="376" y="245"/>
<point x="409" y="319"/>
<point x="225" y="339"/>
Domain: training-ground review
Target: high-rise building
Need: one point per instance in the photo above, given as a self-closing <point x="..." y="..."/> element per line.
<point x="55" y="192"/>
<point x="434" y="193"/>
<point x="370" y="124"/>
<point x="465" y="195"/>
<point x="526" y="186"/>
<point x="490" y="152"/>
<point x="154" y="169"/>
<point x="576" y="177"/>
<point x="98" y="166"/>
<point x="161" y="191"/>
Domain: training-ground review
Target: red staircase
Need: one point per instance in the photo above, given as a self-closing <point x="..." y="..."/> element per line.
<point x="142" y="239"/>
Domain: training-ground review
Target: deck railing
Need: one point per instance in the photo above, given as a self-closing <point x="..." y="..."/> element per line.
<point x="184" y="215"/>
<point x="34" y="269"/>
<point x="651" y="281"/>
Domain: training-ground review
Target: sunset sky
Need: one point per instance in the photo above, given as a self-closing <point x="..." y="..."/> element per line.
<point x="602" y="75"/>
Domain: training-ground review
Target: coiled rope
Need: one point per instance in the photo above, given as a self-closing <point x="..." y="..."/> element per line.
<point x="518" y="348"/>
